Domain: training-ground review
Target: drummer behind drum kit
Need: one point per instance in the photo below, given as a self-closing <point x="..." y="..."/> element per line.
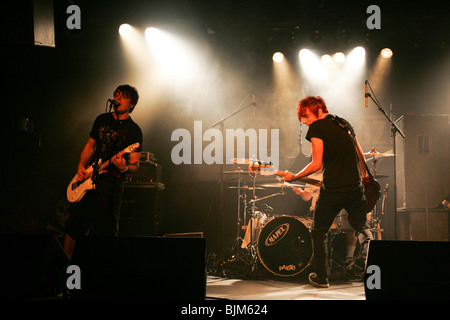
<point x="281" y="243"/>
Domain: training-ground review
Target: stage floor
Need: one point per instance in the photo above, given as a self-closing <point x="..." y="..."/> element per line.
<point x="281" y="289"/>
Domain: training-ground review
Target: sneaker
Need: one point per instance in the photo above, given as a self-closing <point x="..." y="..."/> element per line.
<point x="318" y="282"/>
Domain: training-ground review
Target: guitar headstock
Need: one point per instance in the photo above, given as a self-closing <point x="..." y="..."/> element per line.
<point x="131" y="148"/>
<point x="263" y="168"/>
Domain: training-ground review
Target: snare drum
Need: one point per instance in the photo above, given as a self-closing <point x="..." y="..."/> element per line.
<point x="285" y="246"/>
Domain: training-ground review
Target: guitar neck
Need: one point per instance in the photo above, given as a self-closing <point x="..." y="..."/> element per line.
<point x="103" y="165"/>
<point x="314" y="182"/>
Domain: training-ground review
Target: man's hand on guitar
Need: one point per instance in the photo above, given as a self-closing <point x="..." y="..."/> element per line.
<point x="288" y="176"/>
<point x="119" y="161"/>
<point x="82" y="173"/>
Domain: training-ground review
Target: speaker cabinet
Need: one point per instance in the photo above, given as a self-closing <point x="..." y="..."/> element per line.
<point x="31" y="267"/>
<point x="141" y="211"/>
<point x="141" y="268"/>
<point x="408" y="270"/>
<point x="425" y="160"/>
<point x="424" y="224"/>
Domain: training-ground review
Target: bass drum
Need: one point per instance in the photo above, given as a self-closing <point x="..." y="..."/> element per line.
<point x="285" y="246"/>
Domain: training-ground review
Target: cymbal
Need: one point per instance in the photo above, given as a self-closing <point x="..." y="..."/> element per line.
<point x="280" y="185"/>
<point x="246" y="161"/>
<point x="236" y="172"/>
<point x="245" y="187"/>
<point x="378" y="154"/>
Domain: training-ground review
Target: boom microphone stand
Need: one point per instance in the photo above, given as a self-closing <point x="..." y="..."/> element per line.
<point x="394" y="131"/>
<point x="221" y="122"/>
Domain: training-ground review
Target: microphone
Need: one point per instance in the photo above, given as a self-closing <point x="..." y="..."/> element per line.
<point x="114" y="102"/>
<point x="366" y="96"/>
<point x="254" y="105"/>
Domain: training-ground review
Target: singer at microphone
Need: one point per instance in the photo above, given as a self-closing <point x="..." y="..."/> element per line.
<point x="109" y="134"/>
<point x="114" y="102"/>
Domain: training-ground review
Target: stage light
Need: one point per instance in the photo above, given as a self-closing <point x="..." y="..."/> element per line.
<point x="124" y="29"/>
<point x="304" y="54"/>
<point x="173" y="55"/>
<point x="311" y="66"/>
<point x="339" y="57"/>
<point x="356" y="57"/>
<point x="386" y="53"/>
<point x="359" y="52"/>
<point x="326" y="58"/>
<point x="278" y="57"/>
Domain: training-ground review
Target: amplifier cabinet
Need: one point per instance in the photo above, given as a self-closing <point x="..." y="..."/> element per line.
<point x="141" y="210"/>
<point x="424" y="224"/>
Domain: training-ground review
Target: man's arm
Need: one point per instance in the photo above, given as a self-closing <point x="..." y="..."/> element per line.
<point x="133" y="164"/>
<point x="135" y="157"/>
<point x="314" y="165"/>
<point x="85" y="155"/>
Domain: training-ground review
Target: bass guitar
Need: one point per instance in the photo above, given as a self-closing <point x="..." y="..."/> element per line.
<point x="78" y="188"/>
<point x="267" y="169"/>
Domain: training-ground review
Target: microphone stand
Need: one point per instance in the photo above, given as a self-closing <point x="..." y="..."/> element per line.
<point x="100" y="155"/>
<point x="221" y="122"/>
<point x="394" y="130"/>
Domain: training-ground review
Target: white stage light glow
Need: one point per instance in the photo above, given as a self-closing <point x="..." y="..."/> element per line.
<point x="278" y="57"/>
<point x="339" y="57"/>
<point x="386" y="53"/>
<point x="125" y="29"/>
<point x="326" y="59"/>
<point x="174" y="57"/>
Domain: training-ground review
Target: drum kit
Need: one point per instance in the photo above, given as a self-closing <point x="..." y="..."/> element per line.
<point x="281" y="243"/>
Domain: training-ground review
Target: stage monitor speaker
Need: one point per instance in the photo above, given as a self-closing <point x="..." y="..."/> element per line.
<point x="425" y="161"/>
<point x="141" y="268"/>
<point x="31" y="266"/>
<point x="408" y="270"/>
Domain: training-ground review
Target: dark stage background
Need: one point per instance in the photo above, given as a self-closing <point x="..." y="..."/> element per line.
<point x="53" y="94"/>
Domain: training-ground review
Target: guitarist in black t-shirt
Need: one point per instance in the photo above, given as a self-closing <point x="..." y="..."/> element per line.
<point x="334" y="151"/>
<point x="97" y="211"/>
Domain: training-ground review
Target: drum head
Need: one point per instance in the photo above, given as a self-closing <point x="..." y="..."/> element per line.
<point x="285" y="246"/>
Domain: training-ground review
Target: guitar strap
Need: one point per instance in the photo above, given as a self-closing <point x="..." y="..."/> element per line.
<point x="351" y="132"/>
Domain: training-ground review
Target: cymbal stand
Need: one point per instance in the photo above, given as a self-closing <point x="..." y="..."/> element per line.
<point x="374" y="220"/>
<point x="239" y="225"/>
<point x="253" y="214"/>
<point x="376" y="216"/>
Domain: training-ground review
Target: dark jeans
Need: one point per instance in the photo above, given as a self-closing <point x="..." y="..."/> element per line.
<point x="329" y="204"/>
<point x="98" y="212"/>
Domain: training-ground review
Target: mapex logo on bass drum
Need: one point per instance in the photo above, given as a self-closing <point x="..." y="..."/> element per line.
<point x="277" y="234"/>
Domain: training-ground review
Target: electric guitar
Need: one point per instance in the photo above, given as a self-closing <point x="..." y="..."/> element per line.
<point x="78" y="188"/>
<point x="267" y="169"/>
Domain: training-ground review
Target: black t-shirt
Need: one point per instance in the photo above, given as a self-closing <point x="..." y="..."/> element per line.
<point x="112" y="136"/>
<point x="340" y="161"/>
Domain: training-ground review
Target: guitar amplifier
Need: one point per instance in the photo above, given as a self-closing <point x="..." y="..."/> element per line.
<point x="148" y="173"/>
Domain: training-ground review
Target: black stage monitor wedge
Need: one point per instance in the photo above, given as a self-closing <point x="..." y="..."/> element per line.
<point x="408" y="270"/>
<point x="168" y="268"/>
